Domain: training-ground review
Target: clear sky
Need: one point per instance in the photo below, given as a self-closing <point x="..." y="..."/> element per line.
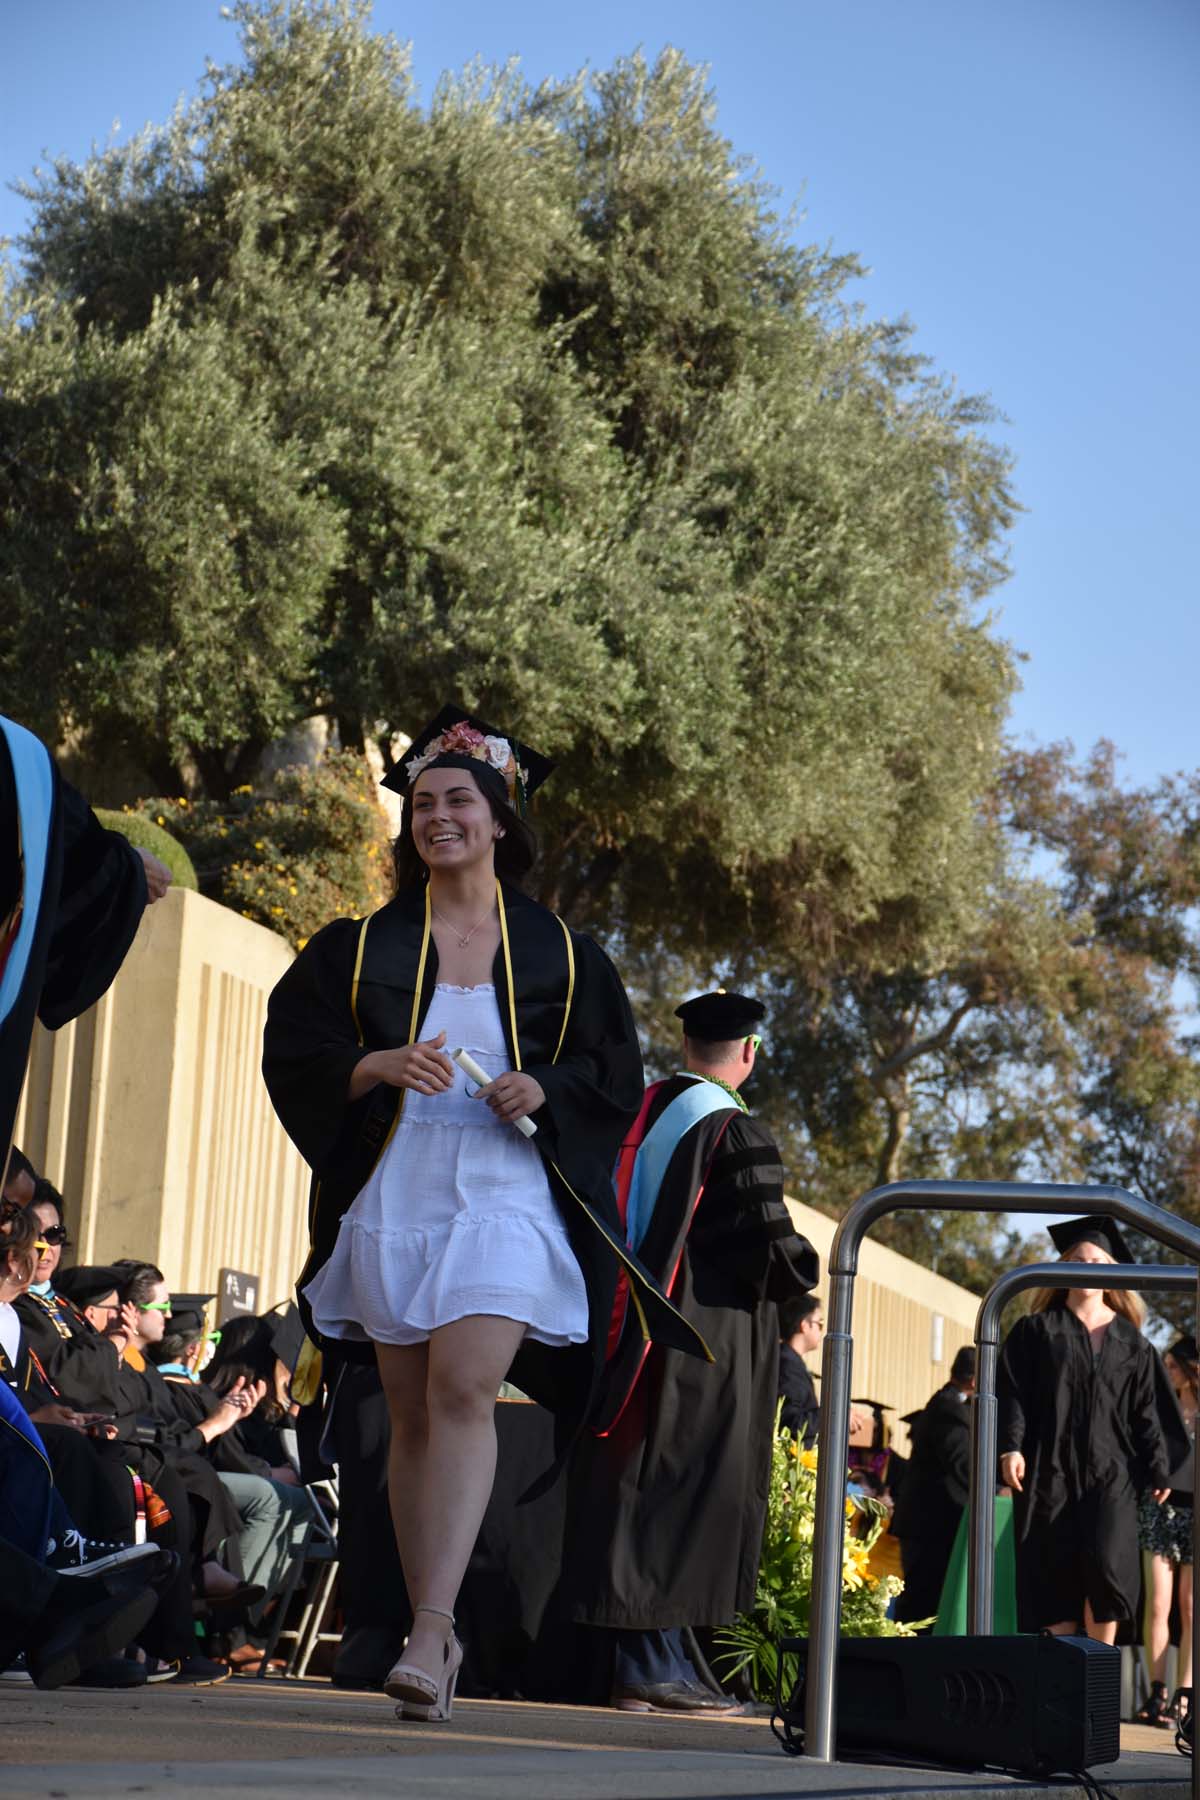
<point x="1020" y="178"/>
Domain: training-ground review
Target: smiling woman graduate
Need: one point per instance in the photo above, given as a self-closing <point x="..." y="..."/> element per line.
<point x="458" y="1247"/>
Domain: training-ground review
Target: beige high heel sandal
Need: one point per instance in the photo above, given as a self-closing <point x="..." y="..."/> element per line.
<point x="422" y="1697"/>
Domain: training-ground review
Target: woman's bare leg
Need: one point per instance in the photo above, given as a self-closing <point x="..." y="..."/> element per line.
<point x="445" y="1491"/>
<point x="1185" y="1626"/>
<point x="1162" y="1581"/>
<point x="404" y="1372"/>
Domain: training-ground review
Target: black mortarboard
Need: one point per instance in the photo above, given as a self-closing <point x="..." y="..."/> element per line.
<point x="1184" y="1350"/>
<point x="1096" y="1230"/>
<point x="87" y="1283"/>
<point x="187" y="1314"/>
<point x="719" y="1018"/>
<point x="286" y="1333"/>
<point x="912" y="1417"/>
<point x="456" y="739"/>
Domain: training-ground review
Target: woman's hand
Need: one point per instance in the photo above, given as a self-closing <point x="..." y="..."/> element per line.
<point x="234" y="1406"/>
<point x="421" y="1067"/>
<point x="512" y="1096"/>
<point x="1160" y="1495"/>
<point x="1012" y="1470"/>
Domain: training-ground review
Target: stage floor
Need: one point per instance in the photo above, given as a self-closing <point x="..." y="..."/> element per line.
<point x="277" y="1742"/>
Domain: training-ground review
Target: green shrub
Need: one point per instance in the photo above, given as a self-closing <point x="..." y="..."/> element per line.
<point x="305" y="845"/>
<point x="785" y="1573"/>
<point x="146" y="833"/>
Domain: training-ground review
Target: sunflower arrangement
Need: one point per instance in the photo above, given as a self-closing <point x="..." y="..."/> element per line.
<point x="784" y="1593"/>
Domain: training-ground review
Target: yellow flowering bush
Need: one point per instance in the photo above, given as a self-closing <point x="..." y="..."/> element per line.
<point x="305" y="845"/>
<point x="784" y="1592"/>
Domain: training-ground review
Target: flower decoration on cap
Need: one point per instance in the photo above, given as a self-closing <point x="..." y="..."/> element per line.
<point x="463" y="739"/>
<point x="457" y="736"/>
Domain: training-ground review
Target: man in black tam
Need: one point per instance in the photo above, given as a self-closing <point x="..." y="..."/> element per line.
<point x="668" y="1493"/>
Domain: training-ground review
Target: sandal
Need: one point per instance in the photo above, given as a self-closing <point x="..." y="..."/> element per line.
<point x="1157" y="1709"/>
<point x="422" y="1697"/>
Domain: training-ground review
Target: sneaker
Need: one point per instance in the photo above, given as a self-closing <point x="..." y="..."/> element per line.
<point x="17" y="1674"/>
<point x="94" y="1555"/>
<point x="200" y="1671"/>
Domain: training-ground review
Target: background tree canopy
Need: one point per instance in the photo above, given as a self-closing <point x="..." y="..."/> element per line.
<point x="315" y="401"/>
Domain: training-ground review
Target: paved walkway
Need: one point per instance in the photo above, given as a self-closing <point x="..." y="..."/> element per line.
<point x="276" y="1742"/>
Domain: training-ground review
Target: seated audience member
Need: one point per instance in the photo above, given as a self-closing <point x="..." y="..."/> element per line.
<point x="65" y="1623"/>
<point x="263" y="1480"/>
<point x="936" y="1488"/>
<point x="801" y="1324"/>
<point x="83" y="1364"/>
<point x="165" y="1484"/>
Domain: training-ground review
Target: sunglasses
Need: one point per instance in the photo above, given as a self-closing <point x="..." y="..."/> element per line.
<point x="162" y="1306"/>
<point x="53" y="1235"/>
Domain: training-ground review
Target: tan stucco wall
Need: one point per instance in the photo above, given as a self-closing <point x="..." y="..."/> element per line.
<point x="150" y="1114"/>
<point x="896" y="1307"/>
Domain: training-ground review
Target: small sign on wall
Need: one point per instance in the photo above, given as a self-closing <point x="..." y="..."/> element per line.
<point x="237" y="1294"/>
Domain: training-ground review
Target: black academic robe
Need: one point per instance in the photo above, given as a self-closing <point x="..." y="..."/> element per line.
<point x="361" y="986"/>
<point x="81" y="1362"/>
<point x="935" y="1489"/>
<point x="1095" y="1433"/>
<point x="86" y="911"/>
<point x="801" y="1410"/>
<point x="665" y="1513"/>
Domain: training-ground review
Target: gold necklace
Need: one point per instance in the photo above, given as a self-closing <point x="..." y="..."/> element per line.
<point x="462" y="941"/>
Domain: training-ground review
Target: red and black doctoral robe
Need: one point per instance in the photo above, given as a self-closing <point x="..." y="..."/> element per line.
<point x="665" y="1512"/>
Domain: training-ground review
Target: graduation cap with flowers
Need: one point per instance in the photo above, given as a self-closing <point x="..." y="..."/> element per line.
<point x="456" y="739"/>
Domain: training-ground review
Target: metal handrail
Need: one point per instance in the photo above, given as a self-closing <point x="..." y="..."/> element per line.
<point x="820" y="1709"/>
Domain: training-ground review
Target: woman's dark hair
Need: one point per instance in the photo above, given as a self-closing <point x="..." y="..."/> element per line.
<point x="172" y="1346"/>
<point x="18" y="1234"/>
<point x="245" y="1353"/>
<point x="793" y="1313"/>
<point x="516" y="851"/>
<point x="46" y="1194"/>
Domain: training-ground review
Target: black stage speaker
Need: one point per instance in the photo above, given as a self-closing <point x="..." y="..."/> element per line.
<point x="1031" y="1703"/>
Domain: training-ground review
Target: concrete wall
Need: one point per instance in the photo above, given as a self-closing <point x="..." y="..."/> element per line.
<point x="150" y="1114"/>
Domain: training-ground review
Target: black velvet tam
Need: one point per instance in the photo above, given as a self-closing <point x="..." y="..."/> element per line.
<point x="719" y="1018"/>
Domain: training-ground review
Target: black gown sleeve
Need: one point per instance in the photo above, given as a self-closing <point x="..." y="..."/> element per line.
<point x="1153" y="1456"/>
<point x="84" y="1367"/>
<point x="100" y="905"/>
<point x="310" y="1043"/>
<point x="743" y="1218"/>
<point x="598" y="1076"/>
<point x="1013" y="1385"/>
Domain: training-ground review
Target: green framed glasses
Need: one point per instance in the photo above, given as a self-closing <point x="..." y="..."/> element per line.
<point x="754" y="1040"/>
<point x="162" y="1306"/>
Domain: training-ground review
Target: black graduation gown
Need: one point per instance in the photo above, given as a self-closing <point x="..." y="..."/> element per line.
<point x="1095" y="1433"/>
<point x="357" y="987"/>
<point x="665" y="1513"/>
<point x="801" y="1410"/>
<point x="86" y="913"/>
<point x="81" y="1362"/>
<point x="933" y="1493"/>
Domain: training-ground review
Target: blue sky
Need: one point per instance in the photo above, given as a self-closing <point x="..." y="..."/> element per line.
<point x="1018" y="176"/>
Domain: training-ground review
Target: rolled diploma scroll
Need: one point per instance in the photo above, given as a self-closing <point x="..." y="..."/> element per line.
<point x="469" y="1066"/>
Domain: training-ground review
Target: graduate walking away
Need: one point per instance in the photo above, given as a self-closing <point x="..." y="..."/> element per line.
<point x="668" y="1492"/>
<point x="1087" y="1422"/>
<point x="445" y="1241"/>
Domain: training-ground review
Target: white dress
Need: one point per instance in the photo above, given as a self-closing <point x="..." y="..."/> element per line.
<point x="456" y="1218"/>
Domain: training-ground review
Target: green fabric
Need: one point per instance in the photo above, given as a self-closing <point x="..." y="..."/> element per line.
<point x="952" y="1611"/>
